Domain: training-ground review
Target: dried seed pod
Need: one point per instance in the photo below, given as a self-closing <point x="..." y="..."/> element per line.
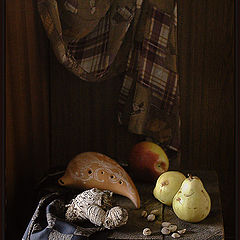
<point x="182" y="231"/>
<point x="147" y="231"/>
<point x="166" y="224"/>
<point x="144" y="213"/>
<point x="172" y="228"/>
<point x="151" y="217"/>
<point x="156" y="212"/>
<point x="175" y="235"/>
<point x="165" y="231"/>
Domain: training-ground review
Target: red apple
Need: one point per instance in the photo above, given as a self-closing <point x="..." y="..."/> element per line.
<point x="147" y="161"/>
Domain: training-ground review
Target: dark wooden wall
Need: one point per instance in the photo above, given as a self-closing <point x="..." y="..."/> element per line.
<point x="84" y="118"/>
<point x="52" y="115"/>
<point x="206" y="66"/>
<point x="27" y="112"/>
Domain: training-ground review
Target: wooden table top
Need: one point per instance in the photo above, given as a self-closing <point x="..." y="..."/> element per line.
<point x="210" y="228"/>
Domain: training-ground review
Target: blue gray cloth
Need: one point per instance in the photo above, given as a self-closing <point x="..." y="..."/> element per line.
<point x="48" y="223"/>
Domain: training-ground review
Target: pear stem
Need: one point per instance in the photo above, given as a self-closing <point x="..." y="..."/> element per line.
<point x="190" y="176"/>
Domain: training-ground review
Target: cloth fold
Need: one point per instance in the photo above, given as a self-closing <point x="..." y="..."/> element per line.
<point x="48" y="223"/>
<point x="87" y="42"/>
<point x="133" y="38"/>
<point x="149" y="97"/>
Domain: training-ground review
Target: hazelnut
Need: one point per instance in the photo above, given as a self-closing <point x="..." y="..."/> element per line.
<point x="172" y="228"/>
<point x="147" y="231"/>
<point x="165" y="231"/>
<point x="144" y="213"/>
<point x="182" y="231"/>
<point x="151" y="217"/>
<point x="175" y="235"/>
<point x="166" y="224"/>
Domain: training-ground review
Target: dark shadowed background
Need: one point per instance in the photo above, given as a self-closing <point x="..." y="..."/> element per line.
<point x="51" y="115"/>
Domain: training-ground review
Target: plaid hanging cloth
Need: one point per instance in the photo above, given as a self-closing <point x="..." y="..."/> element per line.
<point x="97" y="40"/>
<point x="87" y="35"/>
<point x="149" y="97"/>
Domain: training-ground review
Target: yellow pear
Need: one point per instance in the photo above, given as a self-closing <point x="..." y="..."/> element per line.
<point x="192" y="202"/>
<point x="167" y="186"/>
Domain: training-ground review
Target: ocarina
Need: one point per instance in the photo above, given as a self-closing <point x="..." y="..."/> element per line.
<point x="95" y="170"/>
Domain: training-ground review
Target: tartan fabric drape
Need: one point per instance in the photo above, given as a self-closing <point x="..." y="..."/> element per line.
<point x="148" y="99"/>
<point x="91" y="56"/>
<point x="133" y="38"/>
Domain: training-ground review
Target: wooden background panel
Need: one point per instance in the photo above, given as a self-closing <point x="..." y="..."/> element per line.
<point x="206" y="66"/>
<point x="84" y="118"/>
<point x="27" y="111"/>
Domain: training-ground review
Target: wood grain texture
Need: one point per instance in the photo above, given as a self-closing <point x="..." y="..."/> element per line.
<point x="27" y="124"/>
<point x="84" y="118"/>
<point x="136" y="223"/>
<point x="206" y="66"/>
<point x="210" y="228"/>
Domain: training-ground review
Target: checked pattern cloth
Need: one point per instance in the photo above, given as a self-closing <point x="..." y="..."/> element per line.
<point x="150" y="66"/>
<point x="149" y="97"/>
<point x="132" y="38"/>
<point x="92" y="51"/>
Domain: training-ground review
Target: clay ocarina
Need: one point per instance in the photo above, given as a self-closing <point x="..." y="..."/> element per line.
<point x="96" y="170"/>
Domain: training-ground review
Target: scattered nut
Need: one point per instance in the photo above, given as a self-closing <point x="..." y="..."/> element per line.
<point x="147" y="231"/>
<point x="172" y="228"/>
<point x="182" y="231"/>
<point x="165" y="231"/>
<point x="166" y="224"/>
<point x="151" y="217"/>
<point x="144" y="213"/>
<point x="175" y="235"/>
<point x="155" y="212"/>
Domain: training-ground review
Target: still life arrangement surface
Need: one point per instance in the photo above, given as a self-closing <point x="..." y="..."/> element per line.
<point x="100" y="200"/>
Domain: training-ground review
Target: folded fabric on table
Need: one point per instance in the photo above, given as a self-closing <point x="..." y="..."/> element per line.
<point x="49" y="223"/>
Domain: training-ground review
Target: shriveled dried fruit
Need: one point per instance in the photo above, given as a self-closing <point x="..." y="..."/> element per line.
<point x="151" y="217"/>
<point x="182" y="231"/>
<point x="166" y="224"/>
<point x="147" y="231"/>
<point x="172" y="228"/>
<point x="175" y="235"/>
<point x="144" y="213"/>
<point x="165" y="231"/>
